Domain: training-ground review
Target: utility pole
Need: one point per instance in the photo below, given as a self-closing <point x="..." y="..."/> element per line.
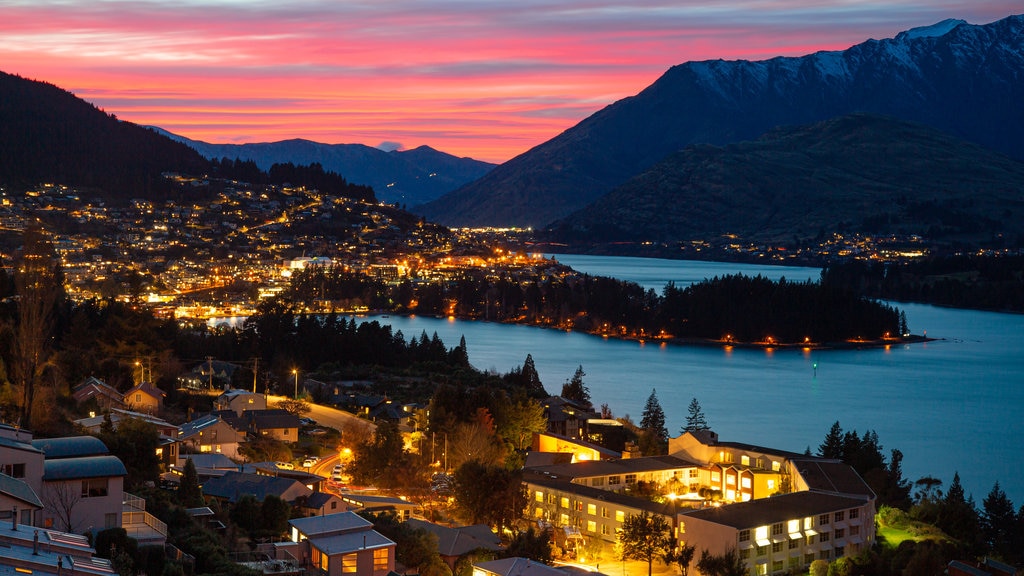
<point x="209" y="360"/>
<point x="255" y="370"/>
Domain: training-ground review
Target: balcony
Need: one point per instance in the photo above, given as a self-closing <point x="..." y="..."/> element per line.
<point x="139" y="524"/>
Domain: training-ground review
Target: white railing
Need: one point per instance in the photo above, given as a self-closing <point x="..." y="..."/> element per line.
<point x="134" y="517"/>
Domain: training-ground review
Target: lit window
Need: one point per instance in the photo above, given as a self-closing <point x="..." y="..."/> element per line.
<point x="592" y="510"/>
<point x="380" y="559"/>
<point x="745" y="482"/>
<point x="620" y="516"/>
<point x="539" y="496"/>
<point x="564" y="502"/>
<point x="349" y="563"/>
<point x="591" y="526"/>
<point x="776" y="466"/>
<point x="745" y="460"/>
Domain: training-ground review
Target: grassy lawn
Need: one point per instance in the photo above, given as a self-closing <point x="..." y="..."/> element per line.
<point x="894" y="527"/>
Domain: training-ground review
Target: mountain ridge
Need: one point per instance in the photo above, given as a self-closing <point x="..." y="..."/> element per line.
<point x="967" y="82"/>
<point x="407" y="176"/>
<point x="858" y="172"/>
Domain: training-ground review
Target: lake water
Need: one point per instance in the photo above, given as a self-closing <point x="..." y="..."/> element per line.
<point x="949" y="405"/>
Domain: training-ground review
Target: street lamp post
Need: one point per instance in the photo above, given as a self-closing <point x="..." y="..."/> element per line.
<point x="295" y="372"/>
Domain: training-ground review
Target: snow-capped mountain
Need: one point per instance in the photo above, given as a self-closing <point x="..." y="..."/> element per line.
<point x="966" y="80"/>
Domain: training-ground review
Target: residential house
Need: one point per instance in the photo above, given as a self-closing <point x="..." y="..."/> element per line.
<point x="233" y="485"/>
<point x="238" y="401"/>
<point x="106" y="396"/>
<point x="336" y="544"/>
<point x="567" y="418"/>
<point x="273" y="423"/>
<point x="82" y="484"/>
<point x="208" y="376"/>
<point x="784" y="533"/>
<point x="144" y="397"/>
<point x="18" y="501"/>
<point x="374" y="504"/>
<point x="168" y="449"/>
<point x="210" y="434"/>
<point x="455" y="542"/>
<point x="320" y="503"/>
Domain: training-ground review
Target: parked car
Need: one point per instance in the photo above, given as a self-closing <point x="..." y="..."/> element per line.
<point x="285" y="465"/>
<point x="307" y="421"/>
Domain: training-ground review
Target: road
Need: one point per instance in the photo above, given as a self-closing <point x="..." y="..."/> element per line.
<point x="332" y="417"/>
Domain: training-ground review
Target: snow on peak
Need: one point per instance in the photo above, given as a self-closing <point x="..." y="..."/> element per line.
<point x="933" y="31"/>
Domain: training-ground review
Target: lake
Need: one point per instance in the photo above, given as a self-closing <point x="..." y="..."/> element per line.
<point x="949" y="405"/>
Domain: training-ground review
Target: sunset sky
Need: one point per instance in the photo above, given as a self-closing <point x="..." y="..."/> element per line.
<point x="473" y="78"/>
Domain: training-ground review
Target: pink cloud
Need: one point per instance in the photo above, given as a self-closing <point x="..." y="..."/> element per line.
<point x="481" y="79"/>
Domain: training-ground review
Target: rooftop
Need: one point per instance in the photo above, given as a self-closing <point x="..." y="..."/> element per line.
<point x="766" y="511"/>
<point x="588" y="468"/>
<point x="331" y="524"/>
<point x="19" y="490"/>
<point x="71" y="447"/>
<point x="87" y="467"/>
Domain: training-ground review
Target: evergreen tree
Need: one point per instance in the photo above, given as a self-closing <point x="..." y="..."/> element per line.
<point x="531" y="379"/>
<point x="833" y="446"/>
<point x="999" y="524"/>
<point x="653" y="419"/>
<point x="897" y="488"/>
<point x="576" y="390"/>
<point x="958" y="517"/>
<point x="695" y="420"/>
<point x="189" y="492"/>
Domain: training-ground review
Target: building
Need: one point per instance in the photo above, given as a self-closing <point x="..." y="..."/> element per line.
<point x="210" y="434"/>
<point x="144" y="397"/>
<point x="233" y="485"/>
<point x="106" y="396"/>
<point x="30" y="550"/>
<point x="168" y="450"/>
<point x="238" y="401"/>
<point x="336" y="544"/>
<point x="455" y="542"/>
<point x="274" y="423"/>
<point x="784" y="533"/>
<point x="515" y="566"/>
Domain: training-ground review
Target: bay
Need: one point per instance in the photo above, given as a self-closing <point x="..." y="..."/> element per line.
<point x="949" y="405"/>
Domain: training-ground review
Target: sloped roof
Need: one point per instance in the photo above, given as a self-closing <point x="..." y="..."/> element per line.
<point x="588" y="468"/>
<point x="328" y="524"/>
<point x="517" y="566"/>
<point x="832" y="476"/>
<point x="88" y="467"/>
<point x="461" y="540"/>
<point x="766" y="511"/>
<point x="148" y="388"/>
<point x="71" y="447"/>
<point x="233" y="485"/>
<point x="18" y="445"/>
<point x="318" y="500"/>
<point x="19" y="490"/>
<point x="335" y="544"/>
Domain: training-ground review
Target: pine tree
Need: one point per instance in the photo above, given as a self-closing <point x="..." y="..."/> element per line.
<point x="999" y="523"/>
<point x="832" y="447"/>
<point x="189" y="492"/>
<point x="576" y="390"/>
<point x="695" y="420"/>
<point x="653" y="419"/>
<point x="531" y="379"/>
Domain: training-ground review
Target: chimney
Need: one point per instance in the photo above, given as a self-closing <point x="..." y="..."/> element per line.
<point x="35" y="544"/>
<point x="14" y="519"/>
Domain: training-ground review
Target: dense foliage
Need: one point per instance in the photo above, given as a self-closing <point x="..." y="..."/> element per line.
<point x="986" y="283"/>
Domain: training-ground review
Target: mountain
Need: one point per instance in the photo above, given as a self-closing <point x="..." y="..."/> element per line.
<point x="409" y="176"/>
<point x="963" y="79"/>
<point x="49" y="135"/>
<point x="855" y="173"/>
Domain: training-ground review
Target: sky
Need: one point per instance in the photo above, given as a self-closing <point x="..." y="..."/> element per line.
<point x="477" y="78"/>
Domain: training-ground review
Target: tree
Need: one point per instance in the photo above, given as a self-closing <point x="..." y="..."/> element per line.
<point x="62" y="498"/>
<point x="489" y="494"/>
<point x="190" y="495"/>
<point x="135" y="442"/>
<point x="523" y="418"/>
<point x="296" y="407"/>
<point x="897" y="488"/>
<point x="645" y="537"/>
<point x="695" y="420"/>
<point x="728" y="564"/>
<point x="532" y="544"/>
<point x="531" y="379"/>
<point x="39" y="286"/>
<point x="653" y="419"/>
<point x="832" y="446"/>
<point x="575" y="390"/>
<point x="999" y="523"/>
<point x="681" y="555"/>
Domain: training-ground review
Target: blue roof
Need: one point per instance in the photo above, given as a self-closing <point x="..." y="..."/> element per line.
<point x="87" y="467"/>
<point x="8" y="443"/>
<point x="19" y="490"/>
<point x="71" y="447"/>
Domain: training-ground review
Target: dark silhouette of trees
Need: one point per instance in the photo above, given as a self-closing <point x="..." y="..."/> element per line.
<point x="728" y="564"/>
<point x="653" y="418"/>
<point x="695" y="419"/>
<point x="575" y="390"/>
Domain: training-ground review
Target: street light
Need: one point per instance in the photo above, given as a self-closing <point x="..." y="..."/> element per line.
<point x="295" y="372"/>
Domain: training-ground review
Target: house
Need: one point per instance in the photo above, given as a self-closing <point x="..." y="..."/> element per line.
<point x="336" y="544"/>
<point x="208" y="375"/>
<point x="358" y="502"/>
<point x="233" y="485"/>
<point x="106" y="396"/>
<point x="238" y="401"/>
<point x="566" y="417"/>
<point x="515" y="566"/>
<point x="321" y="503"/>
<point x="168" y="449"/>
<point x="784" y="533"/>
<point x="83" y="493"/>
<point x="274" y="423"/>
<point x="454" y="543"/>
<point x="144" y="397"/>
<point x="579" y="449"/>
<point x="210" y="434"/>
<point x="18" y="501"/>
